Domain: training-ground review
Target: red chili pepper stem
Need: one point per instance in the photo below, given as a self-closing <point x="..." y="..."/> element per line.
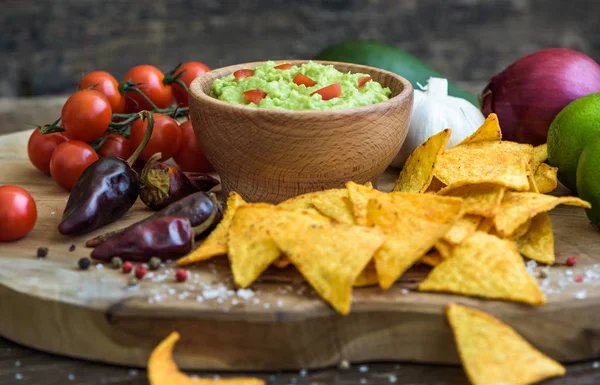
<point x="149" y="116"/>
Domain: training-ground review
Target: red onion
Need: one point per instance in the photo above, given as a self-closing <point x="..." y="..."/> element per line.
<point x="529" y="93"/>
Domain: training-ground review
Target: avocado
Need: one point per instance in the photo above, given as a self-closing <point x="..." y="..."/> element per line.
<point x="390" y="58"/>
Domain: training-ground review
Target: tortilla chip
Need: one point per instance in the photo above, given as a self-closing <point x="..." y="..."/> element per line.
<point x="412" y="223"/>
<point x="538" y="242"/>
<point x="162" y="370"/>
<point x="368" y="277"/>
<point x="444" y="248"/>
<point x="478" y="199"/>
<point x="336" y="205"/>
<point x="435" y="185"/>
<point x="251" y="249"/>
<point x="485" y="266"/>
<point x="486" y="226"/>
<point x="432" y="259"/>
<point x="330" y="256"/>
<point x="545" y="178"/>
<point x="532" y="185"/>
<point x="462" y="229"/>
<point x="540" y="155"/>
<point x="359" y="197"/>
<point x="518" y="207"/>
<point x="417" y="173"/>
<point x="216" y="242"/>
<point x="282" y="262"/>
<point x="489" y="131"/>
<point x="493" y="353"/>
<point x="502" y="163"/>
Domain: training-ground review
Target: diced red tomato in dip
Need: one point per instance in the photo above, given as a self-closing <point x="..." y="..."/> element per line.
<point x="284" y="66"/>
<point x="332" y="91"/>
<point x="254" y="96"/>
<point x="364" y="80"/>
<point x="240" y="74"/>
<point x="303" y="80"/>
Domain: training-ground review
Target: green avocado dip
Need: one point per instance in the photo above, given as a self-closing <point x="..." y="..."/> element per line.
<point x="311" y="86"/>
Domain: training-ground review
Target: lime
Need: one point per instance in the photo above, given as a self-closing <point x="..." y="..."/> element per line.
<point x="588" y="178"/>
<point x="569" y="132"/>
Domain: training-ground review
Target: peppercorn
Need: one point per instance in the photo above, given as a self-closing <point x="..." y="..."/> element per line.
<point x="132" y="281"/>
<point x="154" y="263"/>
<point x="84" y="263"/>
<point x="42" y="252"/>
<point x="140" y="271"/>
<point x="72" y="248"/>
<point x="181" y="275"/>
<point x="127" y="267"/>
<point x="571" y="261"/>
<point x="579" y="278"/>
<point x="116" y="262"/>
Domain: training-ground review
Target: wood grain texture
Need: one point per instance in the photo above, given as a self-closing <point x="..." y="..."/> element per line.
<point x="271" y="155"/>
<point x="46" y="45"/>
<point x="38" y="368"/>
<point x="54" y="307"/>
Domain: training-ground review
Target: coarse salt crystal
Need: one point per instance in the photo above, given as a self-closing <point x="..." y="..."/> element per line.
<point x="267" y="305"/>
<point x="363" y="368"/>
<point x="363" y="380"/>
<point x="171" y="291"/>
<point x="392" y="378"/>
<point x="132" y="372"/>
<point x="256" y="301"/>
<point x="219" y="300"/>
<point x="581" y="294"/>
<point x="245" y="293"/>
<point x="99" y="266"/>
<point x="596" y="365"/>
<point x="52" y="212"/>
<point x="216" y="377"/>
<point x="234" y="302"/>
<point x="279" y="303"/>
<point x="531" y="264"/>
<point x="303" y="372"/>
<point x="404" y="291"/>
<point x="569" y="272"/>
<point x="71" y="377"/>
<point x="18" y="363"/>
<point x="272" y="378"/>
<point x="18" y="376"/>
<point x="199" y="298"/>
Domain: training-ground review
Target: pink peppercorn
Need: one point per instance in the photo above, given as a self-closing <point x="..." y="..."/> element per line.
<point x="127" y="267"/>
<point x="571" y="261"/>
<point x="579" y="278"/>
<point x="181" y="275"/>
<point x="140" y="271"/>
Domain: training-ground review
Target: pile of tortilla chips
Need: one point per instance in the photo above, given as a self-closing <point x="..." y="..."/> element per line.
<point x="471" y="212"/>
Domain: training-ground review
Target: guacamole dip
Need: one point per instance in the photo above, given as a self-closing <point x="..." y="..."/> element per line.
<point x="311" y="86"/>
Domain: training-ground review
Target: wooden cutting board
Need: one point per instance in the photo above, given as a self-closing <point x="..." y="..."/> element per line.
<point x="51" y="305"/>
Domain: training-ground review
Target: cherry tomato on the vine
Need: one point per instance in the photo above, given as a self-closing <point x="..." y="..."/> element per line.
<point x="150" y="81"/>
<point x="105" y="83"/>
<point x="190" y="156"/>
<point x="165" y="137"/>
<point x="116" y="145"/>
<point x="40" y="148"/>
<point x="18" y="213"/>
<point x="190" y="71"/>
<point x="69" y="161"/>
<point x="86" y="115"/>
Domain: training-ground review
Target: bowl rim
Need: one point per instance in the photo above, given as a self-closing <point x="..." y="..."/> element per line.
<point x="197" y="92"/>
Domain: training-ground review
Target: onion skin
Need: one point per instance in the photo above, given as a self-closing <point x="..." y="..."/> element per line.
<point x="529" y="93"/>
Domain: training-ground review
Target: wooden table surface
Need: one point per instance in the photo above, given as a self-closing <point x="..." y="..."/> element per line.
<point x="20" y="365"/>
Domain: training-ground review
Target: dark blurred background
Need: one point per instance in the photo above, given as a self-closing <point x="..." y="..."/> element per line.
<point x="46" y="45"/>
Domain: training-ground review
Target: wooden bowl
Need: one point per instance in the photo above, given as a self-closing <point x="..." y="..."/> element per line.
<point x="271" y="155"/>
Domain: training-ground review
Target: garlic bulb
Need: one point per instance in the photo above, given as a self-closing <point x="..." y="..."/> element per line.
<point x="433" y="111"/>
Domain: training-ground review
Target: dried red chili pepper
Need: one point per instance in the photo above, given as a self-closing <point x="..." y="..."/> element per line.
<point x="197" y="208"/>
<point x="162" y="184"/>
<point x="163" y="237"/>
<point x="104" y="192"/>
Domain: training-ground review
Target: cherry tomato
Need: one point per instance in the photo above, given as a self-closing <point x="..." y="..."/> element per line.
<point x="116" y="145"/>
<point x="105" y="83"/>
<point x="241" y="74"/>
<point x="69" y="161"/>
<point x="40" y="148"/>
<point x="150" y="81"/>
<point x="332" y="91"/>
<point x="165" y="137"/>
<point x="364" y="80"/>
<point x="284" y="66"/>
<point x="86" y="115"/>
<point x="18" y="213"/>
<point x="190" y="71"/>
<point x="190" y="156"/>
<point x="254" y="96"/>
<point x="303" y="79"/>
